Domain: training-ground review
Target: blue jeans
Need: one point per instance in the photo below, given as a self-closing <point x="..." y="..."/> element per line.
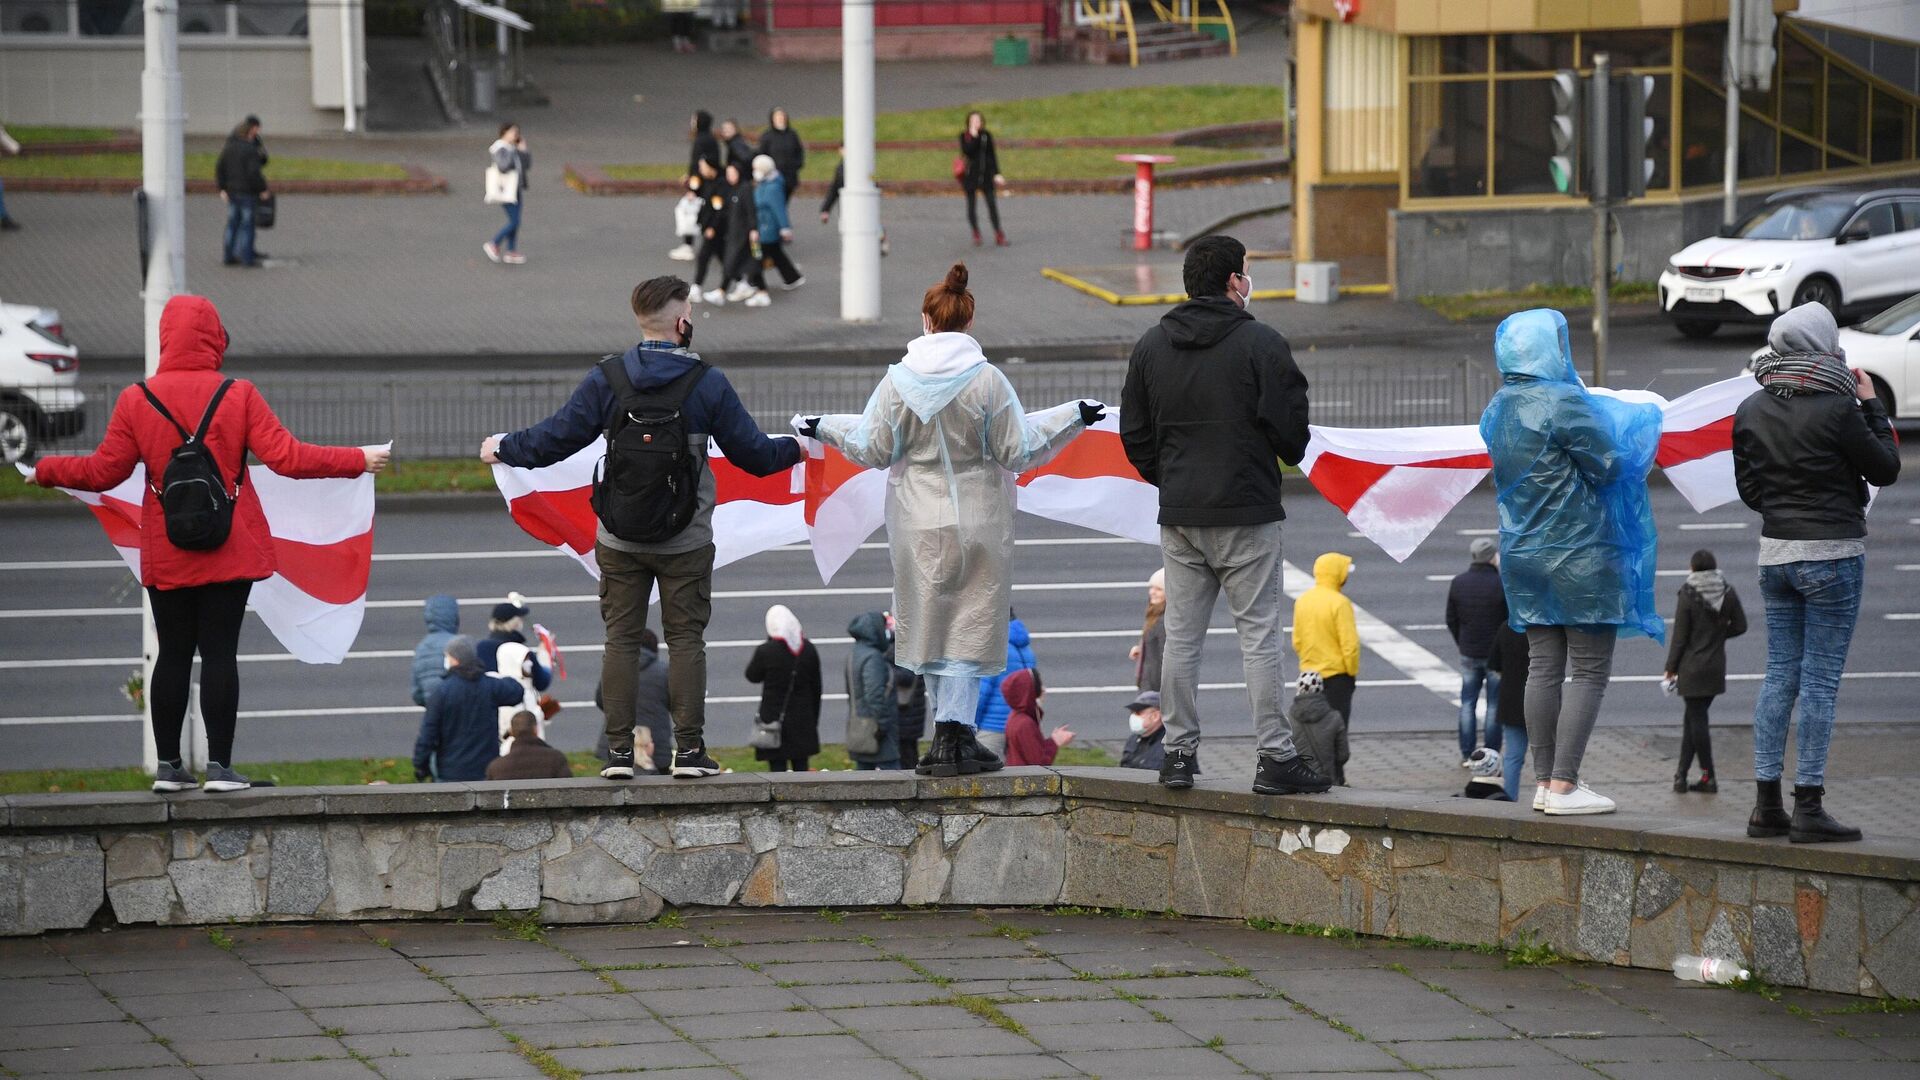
<point x="1513" y="760"/>
<point x="1474" y="674"/>
<point x="3" y="200"/>
<point x="508" y="238"/>
<point x="1811" y="609"/>
<point x="238" y="243"/>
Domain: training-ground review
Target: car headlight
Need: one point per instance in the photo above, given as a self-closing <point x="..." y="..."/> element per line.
<point x="1772" y="271"/>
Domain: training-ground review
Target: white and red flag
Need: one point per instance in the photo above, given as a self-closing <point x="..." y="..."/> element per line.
<point x="322" y="541"/>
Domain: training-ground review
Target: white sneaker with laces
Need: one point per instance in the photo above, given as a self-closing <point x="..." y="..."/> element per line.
<point x="493" y="252"/>
<point x="759" y="299"/>
<point x="795" y="283"/>
<point x="1540" y="797"/>
<point x="716" y="297"/>
<point x="740" y="291"/>
<point x="1581" y="800"/>
<point x="683" y="253"/>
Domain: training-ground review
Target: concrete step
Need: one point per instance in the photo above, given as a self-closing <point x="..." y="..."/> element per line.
<point x="1179" y="44"/>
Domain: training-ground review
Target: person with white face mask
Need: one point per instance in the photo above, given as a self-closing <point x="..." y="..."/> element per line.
<point x="1146" y="742"/>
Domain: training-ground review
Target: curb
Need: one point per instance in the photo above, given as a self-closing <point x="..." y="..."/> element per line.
<point x="1249" y="133"/>
<point x="418" y="181"/>
<point x="593" y="180"/>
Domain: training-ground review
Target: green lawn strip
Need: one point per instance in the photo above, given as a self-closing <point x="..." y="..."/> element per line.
<point x="14" y="488"/>
<point x="1459" y="307"/>
<point x="428" y="476"/>
<point x="1139" y="110"/>
<point x="199" y="166"/>
<point x="1064" y="163"/>
<point x="41" y="134"/>
<point x="399" y="770"/>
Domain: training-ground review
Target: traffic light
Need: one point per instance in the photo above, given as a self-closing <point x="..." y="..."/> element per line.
<point x="1566" y="130"/>
<point x="1636" y="128"/>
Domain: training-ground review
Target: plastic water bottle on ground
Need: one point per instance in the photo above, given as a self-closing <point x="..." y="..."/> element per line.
<point x="1703" y="970"/>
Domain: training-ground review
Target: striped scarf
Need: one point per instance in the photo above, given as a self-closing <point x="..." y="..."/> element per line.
<point x="1795" y="373"/>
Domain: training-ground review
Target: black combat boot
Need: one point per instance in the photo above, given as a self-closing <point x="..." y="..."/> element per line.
<point x="1811" y="822"/>
<point x="1769" y="817"/>
<point x="951" y="754"/>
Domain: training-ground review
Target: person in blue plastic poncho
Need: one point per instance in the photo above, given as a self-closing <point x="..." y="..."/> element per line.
<point x="1577" y="539"/>
<point x="950" y="430"/>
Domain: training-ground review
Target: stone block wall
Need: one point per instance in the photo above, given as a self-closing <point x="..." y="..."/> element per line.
<point x="1625" y="891"/>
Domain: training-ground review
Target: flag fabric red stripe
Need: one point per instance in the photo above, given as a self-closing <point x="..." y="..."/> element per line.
<point x="334" y="573"/>
<point x="1681" y="446"/>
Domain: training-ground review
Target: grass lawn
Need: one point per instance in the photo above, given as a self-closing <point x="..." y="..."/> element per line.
<point x="199" y="166"/>
<point x="1140" y="110"/>
<point x="1459" y="307"/>
<point x="406" y="477"/>
<point x="399" y="770"/>
<point x="35" y="134"/>
<point x="1072" y="163"/>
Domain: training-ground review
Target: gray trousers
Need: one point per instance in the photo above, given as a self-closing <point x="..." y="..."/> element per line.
<point x="1558" y="724"/>
<point x="1244" y="562"/>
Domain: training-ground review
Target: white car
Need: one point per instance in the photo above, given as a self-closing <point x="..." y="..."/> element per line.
<point x="1886" y="347"/>
<point x="1851" y="250"/>
<point x="40" y="397"/>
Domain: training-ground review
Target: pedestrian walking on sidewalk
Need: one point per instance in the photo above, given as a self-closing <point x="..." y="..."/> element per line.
<point x="734" y="147"/>
<point x="508" y="163"/>
<point x="951" y="432"/>
<point x="827" y="204"/>
<point x="686" y="221"/>
<point x="787" y="667"/>
<point x="199" y="593"/>
<point x="1577" y="540"/>
<point x="712" y="220"/>
<point x="240" y="174"/>
<point x="655" y="510"/>
<point x="1146" y="655"/>
<point x="680" y="15"/>
<point x="703" y="157"/>
<point x="1476" y="607"/>
<point x="781" y="143"/>
<point x="1326" y="635"/>
<point x="741" y="279"/>
<point x="978" y="170"/>
<point x="776" y="231"/>
<point x="1213" y="404"/>
<point x="1804" y="454"/>
<point x="1707" y="613"/>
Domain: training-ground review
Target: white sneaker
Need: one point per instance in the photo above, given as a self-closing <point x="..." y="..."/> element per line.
<point x="694" y="296"/>
<point x="1581" y="800"/>
<point x="760" y="299"/>
<point x="1540" y="797"/>
<point x="492" y="251"/>
<point x="716" y="297"/>
<point x="683" y="253"/>
<point x="740" y="291"/>
<point x="795" y="283"/>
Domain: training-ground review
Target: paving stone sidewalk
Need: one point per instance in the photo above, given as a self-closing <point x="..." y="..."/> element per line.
<point x="947" y="995"/>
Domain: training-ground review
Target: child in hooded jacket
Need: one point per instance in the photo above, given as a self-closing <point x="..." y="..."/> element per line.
<point x="1318" y="730"/>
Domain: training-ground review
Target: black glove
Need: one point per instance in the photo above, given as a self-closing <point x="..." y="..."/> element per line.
<point x="1091" y="412"/>
<point x="810" y="426"/>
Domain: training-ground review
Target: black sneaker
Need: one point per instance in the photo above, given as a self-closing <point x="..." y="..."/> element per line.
<point x="170" y="778"/>
<point x="1290" y="777"/>
<point x="1179" y="769"/>
<point x="692" y="762"/>
<point x="221" y="778"/>
<point x="619" y="765"/>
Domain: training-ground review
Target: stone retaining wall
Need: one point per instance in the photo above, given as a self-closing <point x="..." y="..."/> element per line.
<point x="1623" y="890"/>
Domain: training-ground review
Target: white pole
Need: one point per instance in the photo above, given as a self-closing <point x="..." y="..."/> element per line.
<point x="163" y="171"/>
<point x="1730" y="182"/>
<point x="349" y="84"/>
<point x="860" y="199"/>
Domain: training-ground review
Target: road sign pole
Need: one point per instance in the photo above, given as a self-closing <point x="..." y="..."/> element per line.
<point x="859" y="199"/>
<point x="1730" y="180"/>
<point x="1598" y="177"/>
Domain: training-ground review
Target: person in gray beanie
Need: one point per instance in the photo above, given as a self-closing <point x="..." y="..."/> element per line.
<point x="1476" y="607"/>
<point x="1805" y="451"/>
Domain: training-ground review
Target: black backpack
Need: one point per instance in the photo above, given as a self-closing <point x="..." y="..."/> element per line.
<point x="648" y="487"/>
<point x="193" y="495"/>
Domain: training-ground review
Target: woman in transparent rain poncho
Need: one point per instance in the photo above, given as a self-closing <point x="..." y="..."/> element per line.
<point x="950" y="430"/>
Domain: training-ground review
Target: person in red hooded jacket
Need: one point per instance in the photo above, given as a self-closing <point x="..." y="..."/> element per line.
<point x="1025" y="745"/>
<point x="199" y="597"/>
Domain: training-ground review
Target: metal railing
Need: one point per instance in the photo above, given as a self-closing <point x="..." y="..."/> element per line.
<point x="436" y="417"/>
<point x="1113" y="16"/>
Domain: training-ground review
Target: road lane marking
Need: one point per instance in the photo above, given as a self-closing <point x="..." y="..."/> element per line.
<point x="1425" y="626"/>
<point x="1711" y="526"/>
<point x="1424" y="668"/>
<point x="1903" y="616"/>
<point x="1478" y="532"/>
<point x="1908" y="566"/>
<point x="1691" y="371"/>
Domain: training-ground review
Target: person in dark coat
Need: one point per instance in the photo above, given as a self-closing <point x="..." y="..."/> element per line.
<point x="910" y="693"/>
<point x="713" y="240"/>
<point x="740" y="277"/>
<point x="980" y="175"/>
<point x="460" y="735"/>
<point x="1476" y="607"/>
<point x="781" y="143"/>
<point x="530" y="758"/>
<point x="787" y="667"/>
<point x="734" y="147"/>
<point x="1025" y="743"/>
<point x="650" y="709"/>
<point x="1146" y="746"/>
<point x="240" y="174"/>
<point x="1509" y="660"/>
<point x="870" y="689"/>
<point x="703" y="159"/>
<point x="442" y="615"/>
<point x="1319" y="729"/>
<point x="1152" y="647"/>
<point x="832" y="200"/>
<point x="1707" y="614"/>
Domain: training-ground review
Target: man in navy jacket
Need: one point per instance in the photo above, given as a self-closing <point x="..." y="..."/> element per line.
<point x="682" y="565"/>
<point x="460" y="735"/>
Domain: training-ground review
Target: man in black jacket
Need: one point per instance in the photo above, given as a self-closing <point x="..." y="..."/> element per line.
<point x="1476" y="606"/>
<point x="241" y="175"/>
<point x="1213" y="403"/>
<point x="1804" y="452"/>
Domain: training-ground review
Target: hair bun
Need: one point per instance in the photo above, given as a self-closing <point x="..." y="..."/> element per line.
<point x="956" y="282"/>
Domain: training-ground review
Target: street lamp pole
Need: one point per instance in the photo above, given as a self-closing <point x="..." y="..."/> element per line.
<point x="1730" y="181"/>
<point x="859" y="199"/>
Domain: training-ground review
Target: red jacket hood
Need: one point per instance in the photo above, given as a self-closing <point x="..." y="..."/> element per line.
<point x="1017" y="688"/>
<point x="191" y="335"/>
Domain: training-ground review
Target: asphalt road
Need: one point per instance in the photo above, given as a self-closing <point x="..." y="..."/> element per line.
<point x="1082" y="596"/>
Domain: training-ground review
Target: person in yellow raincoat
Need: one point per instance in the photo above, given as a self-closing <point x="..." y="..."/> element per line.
<point x="1326" y="635"/>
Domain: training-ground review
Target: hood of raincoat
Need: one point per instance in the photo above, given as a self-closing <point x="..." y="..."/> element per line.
<point x="1534" y="345"/>
<point x="1202" y="322"/>
<point x="1017" y="688"/>
<point x="442" y="614"/>
<point x="1017" y="635"/>
<point x="466" y="662"/>
<point x="870" y="630"/>
<point x="191" y="336"/>
<point x="1807" y="329"/>
<point x="934" y="371"/>
<point x="1331" y="570"/>
<point x="784" y="625"/>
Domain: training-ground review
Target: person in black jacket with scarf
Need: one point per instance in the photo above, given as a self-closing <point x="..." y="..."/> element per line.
<point x="1708" y="613"/>
<point x="781" y="143"/>
<point x="1804" y="452"/>
<point x="787" y="667"/>
<point x="980" y="174"/>
<point x="1476" y="606"/>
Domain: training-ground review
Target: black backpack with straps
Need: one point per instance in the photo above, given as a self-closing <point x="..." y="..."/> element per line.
<point x="193" y="495"/>
<point x="647" y="489"/>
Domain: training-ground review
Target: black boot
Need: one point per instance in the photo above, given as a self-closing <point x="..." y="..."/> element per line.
<point x="1680" y="784"/>
<point x="987" y="760"/>
<point x="1811" y="822"/>
<point x="1706" y="785"/>
<point x="1769" y="817"/>
<point x="951" y="754"/>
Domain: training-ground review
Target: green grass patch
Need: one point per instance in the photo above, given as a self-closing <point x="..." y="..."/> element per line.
<point x="989" y="1010"/>
<point x="1888" y="1006"/>
<point x="1138" y="110"/>
<point x="1528" y="952"/>
<point x="1066" y="163"/>
<point x="220" y="938"/>
<point x="14" y="488"/>
<point x="46" y="134"/>
<point x="520" y="925"/>
<point x="199" y="166"/>
<point x="548" y="1065"/>
<point x="1338" y="933"/>
<point x="1459" y="307"/>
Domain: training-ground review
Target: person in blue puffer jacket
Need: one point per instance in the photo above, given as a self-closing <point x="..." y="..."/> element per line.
<point x="776" y="230"/>
<point x="442" y="615"/>
<point x="991" y="716"/>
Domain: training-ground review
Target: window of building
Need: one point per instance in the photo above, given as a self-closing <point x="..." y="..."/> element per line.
<point x="1464" y="54"/>
<point x="1448" y="152"/>
<point x="123" y="18"/>
<point x="1532" y="52"/>
<point x="1892" y="128"/>
<point x="1628" y="48"/>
